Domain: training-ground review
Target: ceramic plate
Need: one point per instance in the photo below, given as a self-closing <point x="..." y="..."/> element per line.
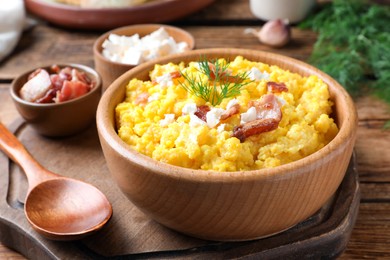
<point x="157" y="11"/>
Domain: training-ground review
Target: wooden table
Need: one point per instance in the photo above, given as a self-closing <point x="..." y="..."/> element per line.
<point x="222" y="25"/>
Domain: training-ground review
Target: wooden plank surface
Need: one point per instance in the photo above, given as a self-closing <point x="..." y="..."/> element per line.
<point x="222" y="25"/>
<point x="49" y="45"/>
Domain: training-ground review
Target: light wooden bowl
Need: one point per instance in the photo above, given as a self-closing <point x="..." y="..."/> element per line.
<point x="229" y="205"/>
<point x="110" y="70"/>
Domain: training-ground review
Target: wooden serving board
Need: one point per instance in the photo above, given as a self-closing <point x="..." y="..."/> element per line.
<point x="130" y="234"/>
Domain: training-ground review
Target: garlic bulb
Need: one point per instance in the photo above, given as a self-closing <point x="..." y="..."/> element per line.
<point x="275" y="33"/>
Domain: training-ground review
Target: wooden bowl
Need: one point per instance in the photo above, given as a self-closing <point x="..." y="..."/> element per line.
<point x="110" y="70"/>
<point x="74" y="17"/>
<point x="228" y="205"/>
<point x="59" y="119"/>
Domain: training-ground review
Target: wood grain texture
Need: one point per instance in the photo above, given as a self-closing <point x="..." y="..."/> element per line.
<point x="45" y="45"/>
<point x="222" y="25"/>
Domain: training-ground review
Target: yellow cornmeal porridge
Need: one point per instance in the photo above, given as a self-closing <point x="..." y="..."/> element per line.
<point x="157" y="119"/>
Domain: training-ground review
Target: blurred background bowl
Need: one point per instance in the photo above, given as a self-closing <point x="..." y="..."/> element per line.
<point x="229" y="205"/>
<point x="110" y="70"/>
<point x="75" y="17"/>
<point x="59" y="119"/>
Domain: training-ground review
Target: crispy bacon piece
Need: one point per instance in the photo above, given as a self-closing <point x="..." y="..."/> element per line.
<point x="70" y="83"/>
<point x="201" y="112"/>
<point x="267" y="107"/>
<point x="175" y="74"/>
<point x="66" y="71"/>
<point x="37" y="86"/>
<point x="268" y="116"/>
<point x="33" y="74"/>
<point x="222" y="75"/>
<point x="235" y="109"/>
<point x="71" y="90"/>
<point x="255" y="127"/>
<point x="142" y="98"/>
<point x="80" y="76"/>
<point x="48" y="98"/>
<point x="57" y="81"/>
<point x="276" y="87"/>
<point x="58" y="86"/>
<point x="55" y="69"/>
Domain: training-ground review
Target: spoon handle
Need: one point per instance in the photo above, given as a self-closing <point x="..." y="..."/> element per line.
<point x="15" y="150"/>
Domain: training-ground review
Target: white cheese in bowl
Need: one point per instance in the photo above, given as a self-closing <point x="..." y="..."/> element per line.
<point x="134" y="50"/>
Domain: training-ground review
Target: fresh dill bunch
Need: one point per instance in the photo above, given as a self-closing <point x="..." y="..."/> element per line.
<point x="218" y="84"/>
<point x="353" y="45"/>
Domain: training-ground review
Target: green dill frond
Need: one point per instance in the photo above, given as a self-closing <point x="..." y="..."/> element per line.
<point x="195" y="86"/>
<point x="219" y="83"/>
<point x="387" y="125"/>
<point x="353" y="44"/>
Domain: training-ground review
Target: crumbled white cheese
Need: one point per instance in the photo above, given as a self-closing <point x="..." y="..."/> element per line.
<point x="169" y="118"/>
<point x="189" y="108"/>
<point x="193" y="138"/>
<point x="154" y="97"/>
<point x="134" y="50"/>
<point x="256" y="74"/>
<point x="231" y="103"/>
<point x="249" y="115"/>
<point x="196" y="121"/>
<point x="213" y="116"/>
<point x="131" y="56"/>
<point x="221" y="128"/>
<point x="267" y="113"/>
<point x="197" y="65"/>
<point x="281" y="100"/>
<point x="165" y="80"/>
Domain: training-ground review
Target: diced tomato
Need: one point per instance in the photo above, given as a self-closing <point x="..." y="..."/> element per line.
<point x="142" y="98"/>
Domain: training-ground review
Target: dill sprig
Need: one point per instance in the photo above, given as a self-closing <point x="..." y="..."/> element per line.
<point x="353" y="45"/>
<point x="219" y="83"/>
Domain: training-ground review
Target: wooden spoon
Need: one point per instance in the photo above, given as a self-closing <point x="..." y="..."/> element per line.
<point x="57" y="207"/>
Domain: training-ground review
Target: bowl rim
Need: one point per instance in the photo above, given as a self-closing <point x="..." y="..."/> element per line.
<point x="347" y="131"/>
<point x="85" y="10"/>
<point x="97" y="46"/>
<point x="96" y="77"/>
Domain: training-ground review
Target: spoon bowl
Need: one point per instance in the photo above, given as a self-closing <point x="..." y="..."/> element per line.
<point x="68" y="212"/>
<point x="57" y="207"/>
